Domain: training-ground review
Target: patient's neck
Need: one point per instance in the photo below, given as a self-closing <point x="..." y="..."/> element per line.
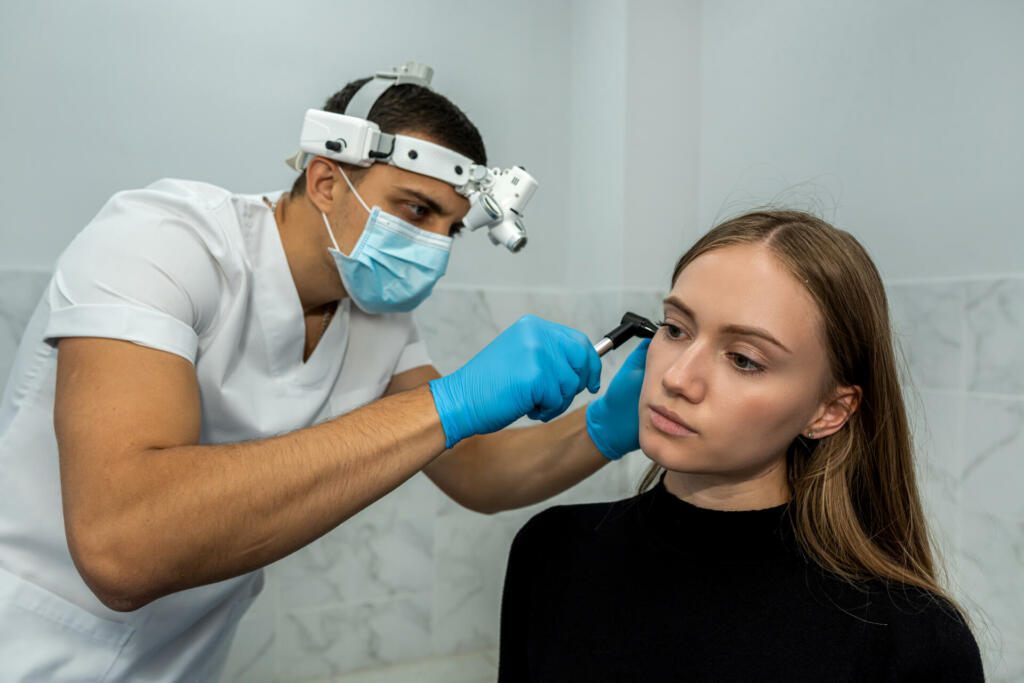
<point x="764" y="488"/>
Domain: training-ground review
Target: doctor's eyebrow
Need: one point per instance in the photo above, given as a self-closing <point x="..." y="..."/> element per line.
<point x="741" y="330"/>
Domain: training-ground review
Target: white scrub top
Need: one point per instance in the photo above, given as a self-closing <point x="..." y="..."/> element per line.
<point x="194" y="270"/>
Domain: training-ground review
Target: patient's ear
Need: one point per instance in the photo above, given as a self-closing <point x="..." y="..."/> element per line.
<point x="834" y="412"/>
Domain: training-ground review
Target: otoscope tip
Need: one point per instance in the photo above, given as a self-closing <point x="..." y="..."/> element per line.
<point x="642" y="327"/>
<point x="632" y="325"/>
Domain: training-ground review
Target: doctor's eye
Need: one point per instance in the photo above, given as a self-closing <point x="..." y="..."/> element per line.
<point x="417" y="210"/>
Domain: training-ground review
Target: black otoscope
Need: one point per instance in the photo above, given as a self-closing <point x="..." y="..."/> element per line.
<point x="633" y="325"/>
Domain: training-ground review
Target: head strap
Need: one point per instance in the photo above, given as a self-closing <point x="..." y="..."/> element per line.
<point x="362" y="102"/>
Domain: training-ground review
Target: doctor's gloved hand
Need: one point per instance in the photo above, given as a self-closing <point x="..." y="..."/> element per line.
<point x="533" y="368"/>
<point x="613" y="421"/>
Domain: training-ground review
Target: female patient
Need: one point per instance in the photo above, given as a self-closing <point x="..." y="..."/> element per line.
<point x="784" y="539"/>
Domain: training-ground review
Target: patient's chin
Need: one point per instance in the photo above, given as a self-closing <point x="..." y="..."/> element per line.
<point x="674" y="455"/>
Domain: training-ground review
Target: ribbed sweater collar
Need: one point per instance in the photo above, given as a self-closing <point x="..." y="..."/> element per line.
<point x="713" y="533"/>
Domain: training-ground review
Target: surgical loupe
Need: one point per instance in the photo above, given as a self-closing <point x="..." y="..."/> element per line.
<point x="497" y="197"/>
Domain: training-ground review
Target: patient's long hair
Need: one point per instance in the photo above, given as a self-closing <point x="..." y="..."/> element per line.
<point x="855" y="507"/>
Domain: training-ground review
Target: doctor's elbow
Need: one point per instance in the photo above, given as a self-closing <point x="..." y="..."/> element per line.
<point x="113" y="577"/>
<point x="481" y="504"/>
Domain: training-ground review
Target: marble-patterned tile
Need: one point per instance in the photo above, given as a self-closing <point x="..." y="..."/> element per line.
<point x="591" y="312"/>
<point x="327" y="642"/>
<point x="252" y="655"/>
<point x="455" y="324"/>
<point x="19" y="293"/>
<point x="492" y="657"/>
<point x="929" y="327"/>
<point x="645" y="302"/>
<point x="476" y="667"/>
<point x="472" y="552"/>
<point x="936" y="420"/>
<point x="382" y="551"/>
<point x="992" y="588"/>
<point x="992" y="476"/>
<point x="1005" y="663"/>
<point x="995" y="322"/>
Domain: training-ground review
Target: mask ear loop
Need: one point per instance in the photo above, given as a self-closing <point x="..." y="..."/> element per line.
<point x="324" y="215"/>
<point x="329" y="231"/>
<point x="351" y="187"/>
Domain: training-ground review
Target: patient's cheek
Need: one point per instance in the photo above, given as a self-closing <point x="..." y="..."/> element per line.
<point x="644" y="443"/>
<point x="648" y="443"/>
<point x="646" y="388"/>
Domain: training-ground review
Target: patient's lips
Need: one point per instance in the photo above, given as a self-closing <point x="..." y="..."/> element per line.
<point x="664" y="420"/>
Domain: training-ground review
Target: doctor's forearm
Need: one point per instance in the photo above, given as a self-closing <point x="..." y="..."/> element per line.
<point x="514" y="468"/>
<point x="190" y="515"/>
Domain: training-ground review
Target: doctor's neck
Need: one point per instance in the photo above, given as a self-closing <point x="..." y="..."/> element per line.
<point x="305" y="243"/>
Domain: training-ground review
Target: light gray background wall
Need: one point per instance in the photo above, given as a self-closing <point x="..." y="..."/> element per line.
<point x="645" y="121"/>
<point x="900" y="119"/>
<point x="903" y="119"/>
<point x="100" y="96"/>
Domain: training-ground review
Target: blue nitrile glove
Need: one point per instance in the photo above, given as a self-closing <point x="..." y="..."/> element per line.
<point x="613" y="420"/>
<point x="533" y="368"/>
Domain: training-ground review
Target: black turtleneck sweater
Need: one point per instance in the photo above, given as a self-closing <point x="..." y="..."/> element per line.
<point x="654" y="589"/>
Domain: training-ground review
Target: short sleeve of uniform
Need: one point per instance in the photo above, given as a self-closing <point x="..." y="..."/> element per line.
<point x="143" y="271"/>
<point x="415" y="353"/>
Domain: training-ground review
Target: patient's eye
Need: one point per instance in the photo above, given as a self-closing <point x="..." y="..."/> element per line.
<point x="744" y="364"/>
<point x="672" y="331"/>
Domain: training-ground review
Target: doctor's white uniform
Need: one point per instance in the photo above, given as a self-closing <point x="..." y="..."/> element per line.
<point x="190" y="269"/>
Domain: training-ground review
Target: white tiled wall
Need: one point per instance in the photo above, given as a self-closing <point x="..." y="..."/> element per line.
<point x="409" y="589"/>
<point x="961" y="339"/>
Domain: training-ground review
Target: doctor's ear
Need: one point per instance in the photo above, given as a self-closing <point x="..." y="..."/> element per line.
<point x="324" y="184"/>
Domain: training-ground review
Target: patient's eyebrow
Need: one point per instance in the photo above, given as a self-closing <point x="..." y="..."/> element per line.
<point x="743" y="330"/>
<point x="675" y="302"/>
<point x="754" y="332"/>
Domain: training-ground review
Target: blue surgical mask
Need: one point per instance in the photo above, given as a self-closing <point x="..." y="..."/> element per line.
<point x="394" y="265"/>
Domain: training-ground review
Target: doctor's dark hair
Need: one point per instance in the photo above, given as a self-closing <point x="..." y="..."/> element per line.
<point x="408" y="109"/>
<point x="854" y="502"/>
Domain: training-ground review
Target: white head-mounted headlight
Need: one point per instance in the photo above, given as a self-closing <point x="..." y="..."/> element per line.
<point x="497" y="197"/>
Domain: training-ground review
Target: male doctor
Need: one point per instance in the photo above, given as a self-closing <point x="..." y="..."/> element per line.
<point x="212" y="381"/>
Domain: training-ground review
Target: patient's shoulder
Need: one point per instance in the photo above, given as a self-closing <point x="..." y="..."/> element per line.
<point x="933" y="639"/>
<point x="566" y="528"/>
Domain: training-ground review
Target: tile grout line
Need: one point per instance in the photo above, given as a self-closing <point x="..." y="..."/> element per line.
<point x="950" y="279"/>
<point x="960" y="436"/>
<point x="549" y="289"/>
